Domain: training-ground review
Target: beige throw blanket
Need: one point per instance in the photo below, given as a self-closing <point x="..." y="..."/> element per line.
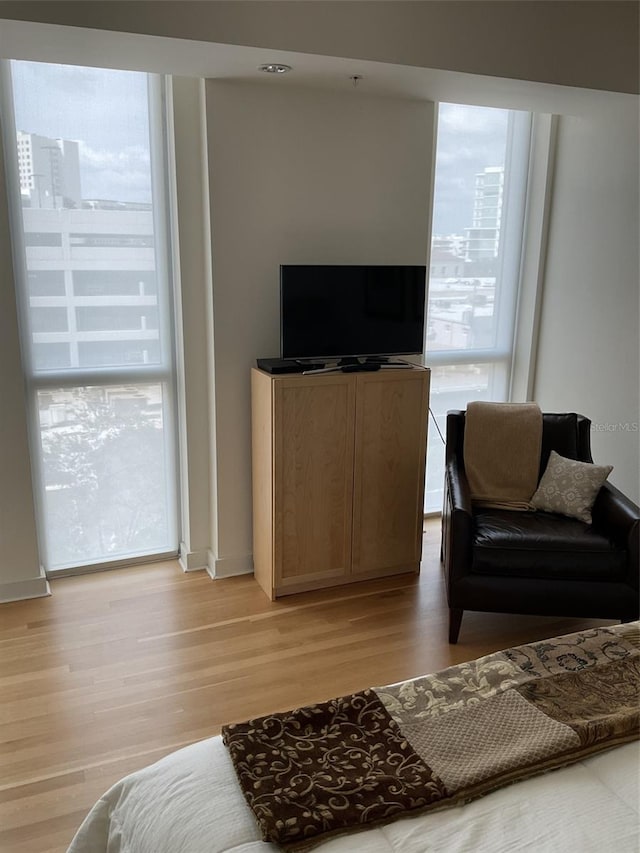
<point x="502" y="443"/>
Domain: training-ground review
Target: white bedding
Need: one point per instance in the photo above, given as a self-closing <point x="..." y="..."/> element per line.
<point x="190" y="802"/>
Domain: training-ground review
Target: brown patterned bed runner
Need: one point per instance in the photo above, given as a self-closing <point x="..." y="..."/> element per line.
<point x="374" y="756"/>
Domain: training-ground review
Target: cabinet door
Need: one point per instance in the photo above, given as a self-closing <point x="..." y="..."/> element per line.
<point x="313" y="460"/>
<point x="390" y="450"/>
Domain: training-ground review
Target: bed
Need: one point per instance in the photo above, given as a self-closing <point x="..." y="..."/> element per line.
<point x="195" y="800"/>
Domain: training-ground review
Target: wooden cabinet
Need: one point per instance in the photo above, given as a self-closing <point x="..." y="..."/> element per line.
<point x="338" y="476"/>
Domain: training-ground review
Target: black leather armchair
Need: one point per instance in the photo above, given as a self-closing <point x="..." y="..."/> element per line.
<point x="503" y="561"/>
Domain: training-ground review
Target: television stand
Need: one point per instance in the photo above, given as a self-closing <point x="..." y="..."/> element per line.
<point x="398" y="365"/>
<point x="361" y="366"/>
<point x="356" y="365"/>
<point x="314" y="370"/>
<point x="372" y="362"/>
<point x="345" y="365"/>
<point x="348" y="365"/>
<point x="338" y="466"/>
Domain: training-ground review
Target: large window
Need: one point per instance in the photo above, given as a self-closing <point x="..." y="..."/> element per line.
<point x="85" y="151"/>
<point x="482" y="160"/>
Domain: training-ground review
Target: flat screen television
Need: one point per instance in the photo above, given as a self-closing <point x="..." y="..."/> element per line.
<point x="343" y="312"/>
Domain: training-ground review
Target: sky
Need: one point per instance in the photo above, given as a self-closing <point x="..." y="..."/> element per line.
<point x="104" y="110"/>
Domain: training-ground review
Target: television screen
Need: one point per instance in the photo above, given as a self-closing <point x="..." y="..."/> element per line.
<point x="351" y="311"/>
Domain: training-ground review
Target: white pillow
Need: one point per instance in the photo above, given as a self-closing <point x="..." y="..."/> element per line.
<point x="570" y="487"/>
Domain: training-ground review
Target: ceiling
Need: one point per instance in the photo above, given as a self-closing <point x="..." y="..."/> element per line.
<point x="186" y="57"/>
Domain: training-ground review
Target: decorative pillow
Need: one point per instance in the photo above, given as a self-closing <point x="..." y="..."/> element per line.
<point x="570" y="487"/>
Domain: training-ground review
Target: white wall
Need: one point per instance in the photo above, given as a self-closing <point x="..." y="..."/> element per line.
<point x="20" y="573"/>
<point x="296" y="177"/>
<point x="589" y="352"/>
<point x="194" y="322"/>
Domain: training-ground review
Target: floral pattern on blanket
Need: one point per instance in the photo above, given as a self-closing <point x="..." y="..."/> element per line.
<point x="576" y="651"/>
<point x="452" y="689"/>
<point x="439" y="740"/>
<point x="328" y="766"/>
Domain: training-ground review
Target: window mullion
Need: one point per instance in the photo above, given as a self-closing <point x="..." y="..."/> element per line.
<point x="111" y="376"/>
<point x="470" y="356"/>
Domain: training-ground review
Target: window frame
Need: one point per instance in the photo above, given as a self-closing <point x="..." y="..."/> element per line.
<point x="524" y="262"/>
<point x="162" y="373"/>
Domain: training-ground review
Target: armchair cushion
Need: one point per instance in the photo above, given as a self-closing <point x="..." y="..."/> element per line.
<point x="570" y="487"/>
<point x="543" y="545"/>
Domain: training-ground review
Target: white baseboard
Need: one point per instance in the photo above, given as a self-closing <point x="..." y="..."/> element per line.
<point x="19" y="590"/>
<point x="193" y="561"/>
<point x="229" y="567"/>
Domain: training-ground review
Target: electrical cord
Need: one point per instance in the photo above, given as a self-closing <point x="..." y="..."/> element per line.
<point x="436" y="423"/>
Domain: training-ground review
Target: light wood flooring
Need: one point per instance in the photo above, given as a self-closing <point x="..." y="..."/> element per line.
<point x="117" y="669"/>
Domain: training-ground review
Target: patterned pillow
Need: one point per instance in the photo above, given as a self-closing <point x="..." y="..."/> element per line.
<point x="570" y="487"/>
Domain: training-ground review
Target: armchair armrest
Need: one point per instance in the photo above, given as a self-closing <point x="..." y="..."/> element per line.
<point x="618" y="516"/>
<point x="457" y="525"/>
<point x="458" y="487"/>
